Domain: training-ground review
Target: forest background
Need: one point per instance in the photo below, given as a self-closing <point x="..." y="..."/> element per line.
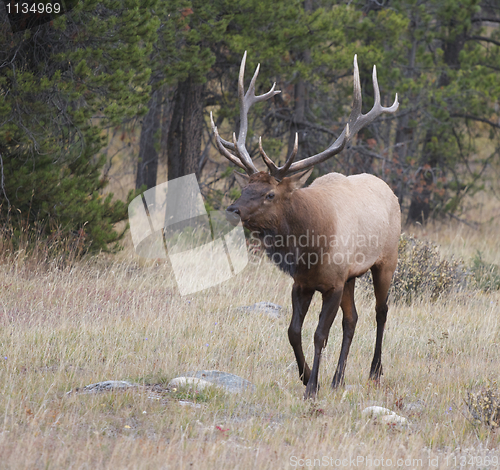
<point x="120" y="91"/>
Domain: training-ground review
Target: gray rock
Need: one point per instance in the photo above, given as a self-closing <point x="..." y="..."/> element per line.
<point x="106" y="386"/>
<point x="378" y="414"/>
<point x="229" y="382"/>
<point x="415" y="408"/>
<point x="268" y="308"/>
<point x="198" y="384"/>
<point x="189" y="403"/>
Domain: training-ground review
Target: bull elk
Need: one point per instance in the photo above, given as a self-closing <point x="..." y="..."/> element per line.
<point x="325" y="235"/>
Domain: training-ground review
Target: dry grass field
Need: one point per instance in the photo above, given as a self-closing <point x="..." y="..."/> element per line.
<point x="67" y="326"/>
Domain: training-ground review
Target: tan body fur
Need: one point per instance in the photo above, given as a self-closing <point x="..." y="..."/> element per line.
<point x="360" y="217"/>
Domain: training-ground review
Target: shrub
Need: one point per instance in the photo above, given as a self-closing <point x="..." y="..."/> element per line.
<point x="484" y="405"/>
<point x="486" y="276"/>
<point x="422" y="271"/>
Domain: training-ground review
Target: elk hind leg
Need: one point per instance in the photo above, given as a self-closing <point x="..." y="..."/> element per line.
<point x="301" y="299"/>
<point x="382" y="277"/>
<point x="349" y="320"/>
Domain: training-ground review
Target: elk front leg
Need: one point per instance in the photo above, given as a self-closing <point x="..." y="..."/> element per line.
<point x="331" y="302"/>
<point x="301" y="299"/>
<point x="349" y="320"/>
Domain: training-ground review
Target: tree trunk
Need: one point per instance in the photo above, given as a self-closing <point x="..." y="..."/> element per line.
<point x="186" y="129"/>
<point x="147" y="167"/>
<point x="183" y="154"/>
<point x="296" y="126"/>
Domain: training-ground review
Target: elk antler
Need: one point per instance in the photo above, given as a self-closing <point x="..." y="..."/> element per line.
<point x="356" y="122"/>
<point x="242" y="157"/>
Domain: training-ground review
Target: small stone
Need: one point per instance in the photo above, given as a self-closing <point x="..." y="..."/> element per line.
<point x="229" y="382"/>
<point x="199" y="384"/>
<point x="106" y="386"/>
<point x="386" y="416"/>
<point x="189" y="403"/>
<point x="375" y="411"/>
<point x="415" y="408"/>
<point x="394" y="420"/>
<point x="268" y="308"/>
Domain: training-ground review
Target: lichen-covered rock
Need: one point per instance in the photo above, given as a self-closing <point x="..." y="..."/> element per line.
<point x="199" y="384"/>
<point x="229" y="382"/>
<point x="385" y="416"/>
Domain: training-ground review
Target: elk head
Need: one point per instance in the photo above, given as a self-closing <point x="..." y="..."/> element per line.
<point x="263" y="200"/>
<point x="264" y="192"/>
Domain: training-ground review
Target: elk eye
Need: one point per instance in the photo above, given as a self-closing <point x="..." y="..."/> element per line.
<point x="270" y="196"/>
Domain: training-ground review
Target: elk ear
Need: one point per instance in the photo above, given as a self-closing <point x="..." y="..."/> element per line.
<point x="298" y="180"/>
<point x="241" y="179"/>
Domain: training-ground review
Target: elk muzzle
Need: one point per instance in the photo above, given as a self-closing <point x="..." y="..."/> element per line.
<point x="233" y="215"/>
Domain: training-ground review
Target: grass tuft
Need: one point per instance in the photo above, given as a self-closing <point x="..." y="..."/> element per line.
<point x="486" y="275"/>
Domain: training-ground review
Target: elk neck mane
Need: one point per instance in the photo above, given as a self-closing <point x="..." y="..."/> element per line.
<point x="302" y="229"/>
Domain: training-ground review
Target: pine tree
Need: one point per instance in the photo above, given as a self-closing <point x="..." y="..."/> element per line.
<point x="61" y="83"/>
<point x="445" y="68"/>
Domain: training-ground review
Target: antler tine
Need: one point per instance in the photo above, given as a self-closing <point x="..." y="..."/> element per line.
<point x="292" y="155"/>
<point x="270" y="164"/>
<point x="227" y="144"/>
<point x="359" y="120"/>
<point x="375" y="86"/>
<point x="279" y="172"/>
<point x="242" y="157"/>
<point x="357" y="99"/>
<point x="250" y="96"/>
<point x="246" y="101"/>
<point x="251" y="89"/>
<point x="356" y="122"/>
<point x="222" y="149"/>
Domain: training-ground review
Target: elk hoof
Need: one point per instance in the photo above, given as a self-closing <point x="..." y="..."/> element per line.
<point x="376" y="373"/>
<point x="337" y="382"/>
<point x="374" y="381"/>
<point x="306" y="375"/>
<point x="311" y="392"/>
